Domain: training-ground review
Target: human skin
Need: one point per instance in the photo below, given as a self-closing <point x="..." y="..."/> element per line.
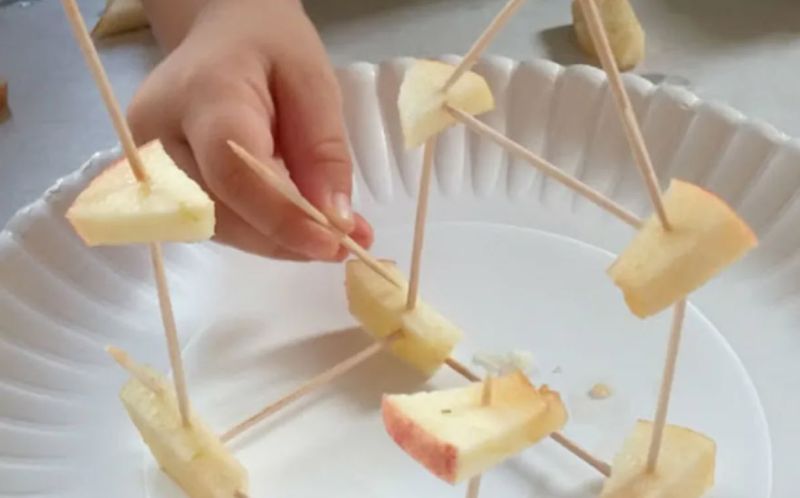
<point x="255" y="72"/>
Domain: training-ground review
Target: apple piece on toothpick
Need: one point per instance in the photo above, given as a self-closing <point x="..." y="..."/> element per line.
<point x="115" y="209"/>
<point x="427" y="337"/>
<point x="456" y="437"/>
<point x="660" y="267"/>
<point x="685" y="465"/>
<point x="625" y="33"/>
<point x="193" y="456"/>
<point x="421" y="101"/>
<point x="120" y="16"/>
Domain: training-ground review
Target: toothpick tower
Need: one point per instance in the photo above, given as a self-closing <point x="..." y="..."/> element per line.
<point x="691" y="237"/>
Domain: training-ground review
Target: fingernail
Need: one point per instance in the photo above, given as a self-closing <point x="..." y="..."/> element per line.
<point x="343" y="209"/>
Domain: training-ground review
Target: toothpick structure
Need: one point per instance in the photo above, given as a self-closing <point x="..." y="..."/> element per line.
<point x="132" y="154"/>
<point x="625" y="109"/>
<point x="679" y="313"/>
<point x="293" y="196"/>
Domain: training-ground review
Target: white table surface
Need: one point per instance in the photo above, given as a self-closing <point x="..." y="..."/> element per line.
<point x="742" y="52"/>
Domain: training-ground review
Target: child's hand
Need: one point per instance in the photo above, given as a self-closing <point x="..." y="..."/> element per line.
<point x="255" y="72"/>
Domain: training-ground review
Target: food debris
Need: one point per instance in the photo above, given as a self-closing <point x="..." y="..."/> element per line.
<point x="600" y="391"/>
<point x="447" y="411"/>
<point x="500" y="364"/>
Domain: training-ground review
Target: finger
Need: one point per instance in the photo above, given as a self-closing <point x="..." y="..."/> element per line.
<point x="311" y="132"/>
<point x="208" y="127"/>
<point x="230" y="229"/>
<point x="362" y="233"/>
<point x="149" y="114"/>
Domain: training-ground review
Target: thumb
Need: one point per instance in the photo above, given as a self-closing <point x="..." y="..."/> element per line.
<point x="311" y="135"/>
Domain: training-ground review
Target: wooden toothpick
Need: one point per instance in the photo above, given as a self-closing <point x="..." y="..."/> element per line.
<point x="419" y="224"/>
<point x="546" y="167"/>
<point x="136" y="371"/>
<point x="632" y="131"/>
<point x="309" y="386"/>
<point x="135" y="161"/>
<point x="474" y="486"/>
<point x="601" y="466"/>
<point x="293" y="195"/>
<point x="482" y="42"/>
<point x="101" y="79"/>
<point x="679" y="312"/>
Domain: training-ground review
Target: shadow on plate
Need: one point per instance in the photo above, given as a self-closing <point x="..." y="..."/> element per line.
<point x="291" y="365"/>
<point x="561" y="45"/>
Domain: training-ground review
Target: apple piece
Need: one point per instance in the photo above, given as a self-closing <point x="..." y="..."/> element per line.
<point x="194" y="457"/>
<point x="660" y="267"/>
<point x="625" y="33"/>
<point x="456" y="437"/>
<point x="120" y="16"/>
<point x="685" y="467"/>
<point x="427" y="337"/>
<point x="421" y="101"/>
<point x="116" y="210"/>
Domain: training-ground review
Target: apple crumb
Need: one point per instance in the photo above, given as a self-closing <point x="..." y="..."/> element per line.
<point x="447" y="411"/>
<point x="600" y="391"/>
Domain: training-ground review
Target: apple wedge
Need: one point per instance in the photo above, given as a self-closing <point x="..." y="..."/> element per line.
<point x="120" y="16"/>
<point x="116" y="210"/>
<point x="456" y="437"/>
<point x="685" y="468"/>
<point x="625" y="33"/>
<point x="427" y="338"/>
<point x="421" y="101"/>
<point x="660" y="267"/>
<point x="193" y="456"/>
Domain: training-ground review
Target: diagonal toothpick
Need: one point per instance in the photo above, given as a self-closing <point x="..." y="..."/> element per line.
<point x="546" y="167"/>
<point x="135" y="161"/>
<point x="309" y="386"/>
<point x="632" y="131"/>
<point x="679" y="312"/>
<point x="291" y="193"/>
<point x="482" y="42"/>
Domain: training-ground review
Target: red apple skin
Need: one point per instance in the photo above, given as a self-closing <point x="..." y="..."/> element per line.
<point x="437" y="456"/>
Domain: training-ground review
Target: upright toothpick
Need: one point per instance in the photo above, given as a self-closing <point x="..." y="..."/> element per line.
<point x="135" y="161"/>
<point x="679" y="312"/>
<point x="474" y="486"/>
<point x="483" y="41"/>
<point x="419" y="224"/>
<point x="625" y="109"/>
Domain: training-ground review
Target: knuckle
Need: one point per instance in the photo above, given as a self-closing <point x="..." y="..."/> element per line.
<point x="329" y="151"/>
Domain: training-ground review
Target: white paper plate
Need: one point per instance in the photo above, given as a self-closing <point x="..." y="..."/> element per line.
<point x="516" y="259"/>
